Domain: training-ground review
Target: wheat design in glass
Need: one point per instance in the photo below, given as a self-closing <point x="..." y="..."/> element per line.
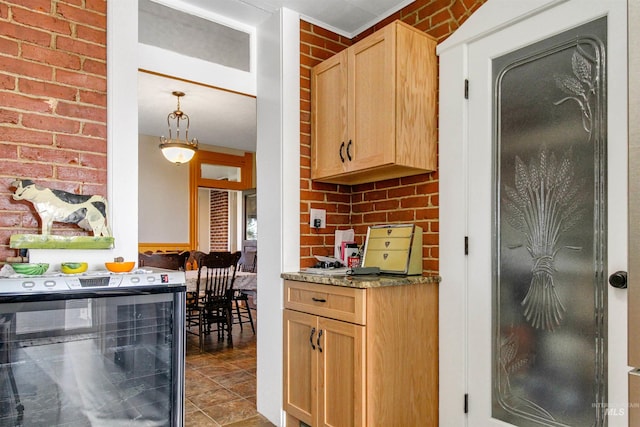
<point x="544" y="203"/>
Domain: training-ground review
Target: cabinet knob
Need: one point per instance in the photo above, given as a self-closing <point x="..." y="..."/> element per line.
<point x="341" y="155"/>
<point x="618" y="280"/>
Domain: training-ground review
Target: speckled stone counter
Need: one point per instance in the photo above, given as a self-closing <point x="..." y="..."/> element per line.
<point x="373" y="281"/>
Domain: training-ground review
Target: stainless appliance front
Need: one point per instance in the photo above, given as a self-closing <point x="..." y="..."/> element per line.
<point x="97" y="355"/>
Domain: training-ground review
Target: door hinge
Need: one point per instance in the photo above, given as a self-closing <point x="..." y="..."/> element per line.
<point x="466" y="403"/>
<point x="466" y="88"/>
<point x="466" y="245"/>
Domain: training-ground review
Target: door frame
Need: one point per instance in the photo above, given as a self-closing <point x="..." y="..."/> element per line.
<point x="492" y="17"/>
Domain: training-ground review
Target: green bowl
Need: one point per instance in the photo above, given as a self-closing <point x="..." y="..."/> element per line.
<point x="30" y="269"/>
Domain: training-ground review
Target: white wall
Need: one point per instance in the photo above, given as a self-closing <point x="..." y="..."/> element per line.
<point x="278" y="169"/>
<point x="278" y="196"/>
<point x="163" y="195"/>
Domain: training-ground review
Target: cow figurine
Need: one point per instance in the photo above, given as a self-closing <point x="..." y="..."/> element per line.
<point x="88" y="212"/>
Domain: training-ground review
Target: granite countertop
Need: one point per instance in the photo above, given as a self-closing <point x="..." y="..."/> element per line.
<point x="372" y="281"/>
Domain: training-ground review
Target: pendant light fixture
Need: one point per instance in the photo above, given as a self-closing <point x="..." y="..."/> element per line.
<point x="175" y="150"/>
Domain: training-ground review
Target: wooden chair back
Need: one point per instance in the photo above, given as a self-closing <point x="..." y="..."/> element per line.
<point x="168" y="260"/>
<point x="216" y="274"/>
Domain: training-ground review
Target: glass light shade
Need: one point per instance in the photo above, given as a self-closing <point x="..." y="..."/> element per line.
<point x="177" y="152"/>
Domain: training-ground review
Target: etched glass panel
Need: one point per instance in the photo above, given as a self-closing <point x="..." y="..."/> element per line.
<point x="549" y="310"/>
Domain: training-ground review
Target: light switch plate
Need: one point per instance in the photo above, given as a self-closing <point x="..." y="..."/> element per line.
<point x="318" y="214"/>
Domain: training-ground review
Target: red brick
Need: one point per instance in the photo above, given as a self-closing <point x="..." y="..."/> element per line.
<point x="94" y="129"/>
<point x="8" y="116"/>
<point x="82" y="80"/>
<point x="54" y="124"/>
<point x="4" y="11"/>
<point x="27" y="136"/>
<point x="427" y="213"/>
<point x="375" y="218"/>
<point x="76" y="142"/>
<point x="8" y="47"/>
<point x="86" y="17"/>
<point x="86" y="112"/>
<point x="311" y="39"/>
<point x="40" y="5"/>
<point x="26" y="169"/>
<point x="312" y="195"/>
<point x="414" y="202"/>
<point x="40" y="20"/>
<point x="8" y="151"/>
<point x="94" y="67"/>
<point x="441" y="17"/>
<point x="402" y="191"/>
<point x="27" y="34"/>
<point x="81" y="48"/>
<point x="429" y="10"/>
<point x="387" y="183"/>
<point x="325" y="33"/>
<point x="48" y="56"/>
<point x="25" y="68"/>
<point x="81" y="174"/>
<point x="401" y="216"/>
<point x="99" y="6"/>
<point x="386" y="205"/>
<point x="7" y="82"/>
<point x="304" y="25"/>
<point x="40" y="88"/>
<point x="49" y="155"/>
<point x="375" y="195"/>
<point x="93" y="98"/>
<point x="93" y="35"/>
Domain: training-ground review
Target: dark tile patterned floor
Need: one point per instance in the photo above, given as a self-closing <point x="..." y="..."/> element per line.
<point x="220" y="383"/>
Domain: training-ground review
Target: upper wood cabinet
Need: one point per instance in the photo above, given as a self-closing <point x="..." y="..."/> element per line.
<point x="373" y="109"/>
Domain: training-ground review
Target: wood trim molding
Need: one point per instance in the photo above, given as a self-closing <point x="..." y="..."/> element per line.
<point x="244" y="162"/>
<point x="165" y="247"/>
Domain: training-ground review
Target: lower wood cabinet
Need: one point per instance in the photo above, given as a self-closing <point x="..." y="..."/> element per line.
<point x="360" y="357"/>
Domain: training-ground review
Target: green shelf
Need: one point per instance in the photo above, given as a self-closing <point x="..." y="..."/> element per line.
<point x="39" y="241"/>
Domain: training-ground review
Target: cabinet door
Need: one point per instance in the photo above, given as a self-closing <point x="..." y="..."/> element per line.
<point x="329" y="117"/>
<point x="341" y="374"/>
<point x="372" y="109"/>
<point x="300" y="365"/>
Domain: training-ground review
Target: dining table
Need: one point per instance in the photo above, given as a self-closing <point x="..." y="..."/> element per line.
<point x="244" y="282"/>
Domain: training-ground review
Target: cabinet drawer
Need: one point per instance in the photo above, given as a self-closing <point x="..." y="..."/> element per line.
<point x="390" y="244"/>
<point x="335" y="302"/>
<point x="389" y="260"/>
<point x="390" y="231"/>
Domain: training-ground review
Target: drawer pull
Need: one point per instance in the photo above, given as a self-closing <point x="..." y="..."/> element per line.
<point x="313" y="331"/>
<point x="318" y="342"/>
<point x="319" y="299"/>
<point x="341" y="155"/>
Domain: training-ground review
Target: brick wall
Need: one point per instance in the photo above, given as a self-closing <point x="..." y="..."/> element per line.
<point x="406" y="200"/>
<point x="219" y="214"/>
<point x="52" y="104"/>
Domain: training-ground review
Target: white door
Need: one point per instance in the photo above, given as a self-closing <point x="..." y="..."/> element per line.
<point x="549" y="335"/>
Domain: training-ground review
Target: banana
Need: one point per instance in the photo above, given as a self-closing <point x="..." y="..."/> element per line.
<point x="73" y="267"/>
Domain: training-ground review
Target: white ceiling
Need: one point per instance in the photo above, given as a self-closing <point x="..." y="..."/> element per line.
<point x="225" y="119"/>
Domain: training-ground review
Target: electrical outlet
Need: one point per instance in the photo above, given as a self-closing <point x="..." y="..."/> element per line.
<point x="318" y="218"/>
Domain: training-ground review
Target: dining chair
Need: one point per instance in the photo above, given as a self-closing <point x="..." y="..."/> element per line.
<point x="241" y="301"/>
<point x="216" y="274"/>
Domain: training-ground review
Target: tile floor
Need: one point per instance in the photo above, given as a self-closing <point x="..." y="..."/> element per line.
<point x="220" y="383"/>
